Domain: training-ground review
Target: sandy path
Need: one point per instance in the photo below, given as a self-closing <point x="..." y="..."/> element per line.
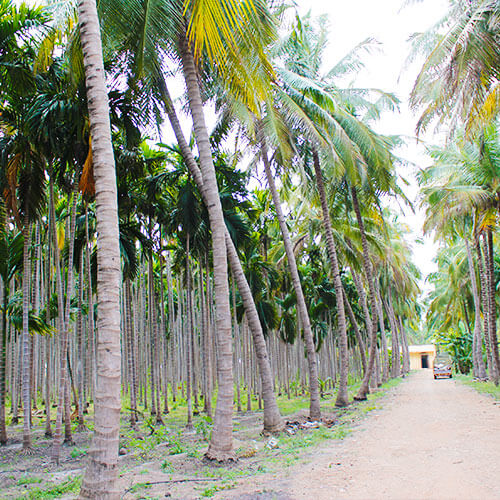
<point x="433" y="439"/>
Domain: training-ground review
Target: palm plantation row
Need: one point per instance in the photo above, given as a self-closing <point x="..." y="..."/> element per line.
<point x="457" y="88"/>
<point x="110" y="288"/>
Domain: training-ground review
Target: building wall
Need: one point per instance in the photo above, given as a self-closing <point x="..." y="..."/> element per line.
<point x="416" y="359"/>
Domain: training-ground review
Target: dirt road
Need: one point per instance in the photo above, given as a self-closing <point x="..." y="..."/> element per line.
<point x="432" y="440"/>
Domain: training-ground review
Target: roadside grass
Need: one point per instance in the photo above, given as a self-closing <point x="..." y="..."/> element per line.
<point x="483" y="387"/>
<point x="290" y="449"/>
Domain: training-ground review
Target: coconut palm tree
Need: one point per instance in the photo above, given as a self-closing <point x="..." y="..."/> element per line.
<point x="458" y="81"/>
<point x="101" y="472"/>
<point x="202" y="36"/>
<point x="325" y="112"/>
<point x="463" y="179"/>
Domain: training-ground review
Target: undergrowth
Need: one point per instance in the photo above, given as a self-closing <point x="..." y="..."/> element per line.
<point x="70" y="486"/>
<point x="484" y="387"/>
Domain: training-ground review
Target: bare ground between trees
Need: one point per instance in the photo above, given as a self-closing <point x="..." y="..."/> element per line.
<point x="423" y="439"/>
<point x="168" y="454"/>
<point x="432" y="439"/>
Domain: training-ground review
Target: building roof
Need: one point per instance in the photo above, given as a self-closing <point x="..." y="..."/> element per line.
<point x="422" y="348"/>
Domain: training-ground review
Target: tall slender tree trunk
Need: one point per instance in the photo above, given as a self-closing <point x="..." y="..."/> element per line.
<point x="25" y="339"/>
<point x="383" y="338"/>
<point x="90" y="304"/>
<point x="68" y="438"/>
<point x="131" y="354"/>
<point x="205" y="342"/>
<point x="156" y="359"/>
<point x="80" y="363"/>
<point x="3" y="363"/>
<point x="221" y="443"/>
<point x="188" y="339"/>
<point x="63" y="406"/>
<point x="357" y="334"/>
<point x="151" y="331"/>
<point x="477" y="348"/>
<point x="48" y="359"/>
<point x="48" y="362"/>
<point x="172" y="328"/>
<point x="483" y="278"/>
<point x="272" y="418"/>
<point x="342" y="393"/>
<point x="314" y="408"/>
<point x="60" y="327"/>
<point x="100" y="478"/>
<point x="237" y="349"/>
<point x="36" y="290"/>
<point x="364" y="388"/>
<point x="396" y="357"/>
<point x="404" y="347"/>
<point x="16" y="397"/>
<point x="492" y="309"/>
<point x="366" y="314"/>
<point x="164" y="336"/>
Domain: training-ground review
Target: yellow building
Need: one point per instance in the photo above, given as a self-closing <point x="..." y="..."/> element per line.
<point x="422" y="356"/>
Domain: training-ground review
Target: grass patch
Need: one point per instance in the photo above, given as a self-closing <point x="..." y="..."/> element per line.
<point x="139" y="486"/>
<point x="212" y="490"/>
<point x="484" y="387"/>
<point x="77" y="452"/>
<point x="28" y="480"/>
<point x="69" y="486"/>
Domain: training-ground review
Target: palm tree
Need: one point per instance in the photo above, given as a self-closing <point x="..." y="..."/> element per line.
<point x="326" y="116"/>
<point x="22" y="163"/>
<point x="24" y="169"/>
<point x="57" y="121"/>
<point x="477" y="354"/>
<point x="10" y="263"/>
<point x="218" y="41"/>
<point x="314" y="406"/>
<point x="18" y="25"/>
<point x="459" y="78"/>
<point x="462" y="181"/>
<point x="272" y="418"/>
<point x="101" y="472"/>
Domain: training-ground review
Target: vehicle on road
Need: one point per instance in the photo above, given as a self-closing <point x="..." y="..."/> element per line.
<point x="442" y="367"/>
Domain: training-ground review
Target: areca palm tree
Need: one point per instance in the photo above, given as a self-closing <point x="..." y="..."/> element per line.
<point x="10" y="263"/>
<point x="17" y="25"/>
<point x="23" y="169"/>
<point x="22" y="174"/>
<point x="57" y="119"/>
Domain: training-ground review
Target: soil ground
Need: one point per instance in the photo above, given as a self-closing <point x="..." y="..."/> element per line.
<point x="433" y="439"/>
<point x="422" y="439"/>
